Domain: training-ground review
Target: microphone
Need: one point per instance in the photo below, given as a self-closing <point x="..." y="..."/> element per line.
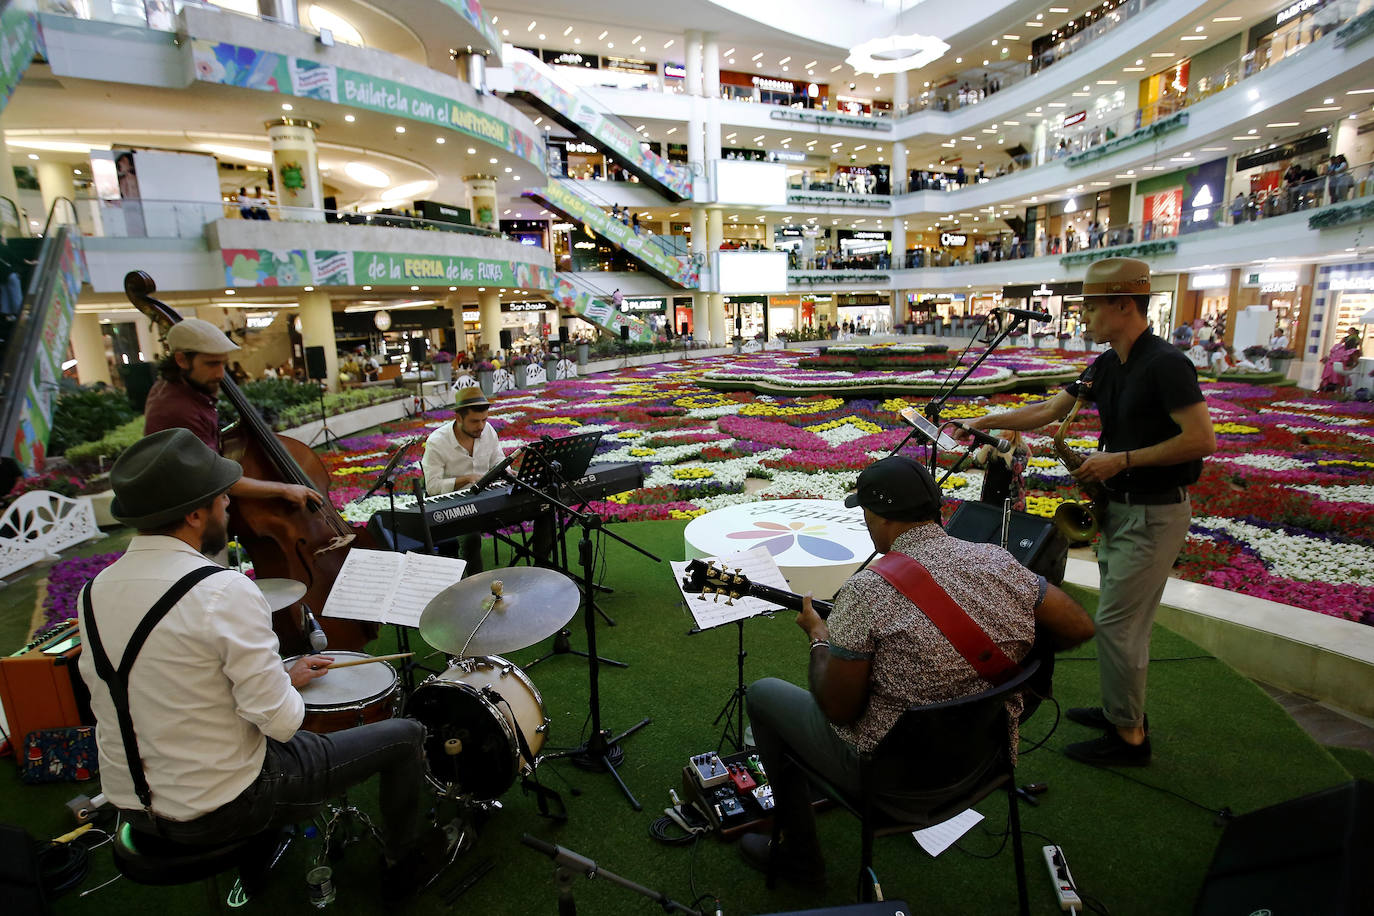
<point x="319" y="640"/>
<point x="982" y="438"/>
<point x="486" y="479"/>
<point x="1027" y="314"/>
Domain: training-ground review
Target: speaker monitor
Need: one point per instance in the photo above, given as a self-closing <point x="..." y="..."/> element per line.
<point x="1306" y="855"/>
<point x="1031" y="539"/>
<point x="739" y="322"/>
<point x="562" y="333"/>
<point x="685" y="330"/>
<point x="624" y="332"/>
<point x="314" y="363"/>
<point x="507" y="339"/>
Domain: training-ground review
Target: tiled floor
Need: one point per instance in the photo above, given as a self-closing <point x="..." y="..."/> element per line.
<point x="1326" y="725"/>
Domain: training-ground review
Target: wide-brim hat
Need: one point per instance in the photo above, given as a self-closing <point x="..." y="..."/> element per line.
<point x="470" y="396"/>
<point x="1117" y="277"/>
<point x="164" y="476"/>
<point x="897" y="487"/>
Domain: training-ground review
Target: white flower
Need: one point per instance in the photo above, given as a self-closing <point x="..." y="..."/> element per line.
<point x="1294" y="556"/>
<point x="1267" y="462"/>
<point x="1352" y="493"/>
<point x="360" y="510"/>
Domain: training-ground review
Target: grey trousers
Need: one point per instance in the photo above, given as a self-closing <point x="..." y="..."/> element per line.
<point x="1138" y="547"/>
<point x="785" y="718"/>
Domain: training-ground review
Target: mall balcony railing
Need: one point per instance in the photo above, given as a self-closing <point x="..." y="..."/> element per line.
<point x="672" y="246"/>
<point x="148" y="218"/>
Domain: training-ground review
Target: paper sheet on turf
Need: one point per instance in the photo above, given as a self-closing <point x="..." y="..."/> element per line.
<point x="945" y="834"/>
<point x="758" y="564"/>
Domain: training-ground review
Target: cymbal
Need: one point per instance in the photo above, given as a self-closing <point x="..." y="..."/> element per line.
<point x="281" y="593"/>
<point x="498" y="611"/>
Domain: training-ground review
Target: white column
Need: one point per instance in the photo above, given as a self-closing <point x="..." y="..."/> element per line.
<point x="715" y="233"/>
<point x="900" y="92"/>
<point x="700" y="239"/>
<point x="54" y="181"/>
<point x="898" y="244"/>
<point x="710" y="66"/>
<point x="899" y="169"/>
<point x="489" y="307"/>
<point x="769" y="231"/>
<point x="482" y="201"/>
<point x="89" y="344"/>
<point x="8" y="186"/>
<point x="317" y="330"/>
<point x="693" y="61"/>
<point x="701" y="317"/>
<point x="296" y="169"/>
<point x="460" y="332"/>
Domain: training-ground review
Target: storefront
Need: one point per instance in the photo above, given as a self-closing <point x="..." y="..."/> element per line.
<point x="788" y="313"/>
<point x="1293" y="26"/>
<point x="1067" y="38"/>
<point x="1067" y="225"/>
<point x="1343" y="300"/>
<point x="531" y="232"/>
<point x="1259" y="175"/>
<point x="770" y="90"/>
<point x="652" y="309"/>
<point x="1063" y="302"/>
<point x="865" y="313"/>
<point x="575" y="159"/>
<point x="575" y="250"/>
<point x="857" y="249"/>
<point x="682" y="315"/>
<point x="746" y="316"/>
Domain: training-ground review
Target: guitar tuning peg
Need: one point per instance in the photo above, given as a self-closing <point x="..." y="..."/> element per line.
<point x="716" y="598"/>
<point x="729" y="602"/>
<point x="738" y="570"/>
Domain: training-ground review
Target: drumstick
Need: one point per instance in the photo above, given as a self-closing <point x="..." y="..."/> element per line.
<point x="367" y="661"/>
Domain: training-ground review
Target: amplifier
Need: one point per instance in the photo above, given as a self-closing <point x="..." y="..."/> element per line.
<point x="1031" y="539"/>
<point x="40" y="686"/>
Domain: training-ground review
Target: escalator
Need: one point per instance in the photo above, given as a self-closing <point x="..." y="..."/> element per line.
<point x="658" y="255"/>
<point x="580" y="296"/>
<point x="537" y="83"/>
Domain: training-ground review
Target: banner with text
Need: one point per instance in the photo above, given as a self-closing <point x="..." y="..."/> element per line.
<point x="19" y="39"/>
<point x="29" y="444"/>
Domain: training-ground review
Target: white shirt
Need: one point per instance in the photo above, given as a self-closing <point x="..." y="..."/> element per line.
<point x="445" y="460"/>
<point x="208" y="688"/>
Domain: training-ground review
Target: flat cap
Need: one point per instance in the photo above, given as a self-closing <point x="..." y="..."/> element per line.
<point x="194" y="335"/>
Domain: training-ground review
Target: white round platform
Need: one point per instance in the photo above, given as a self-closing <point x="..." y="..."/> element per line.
<point x="817" y="543"/>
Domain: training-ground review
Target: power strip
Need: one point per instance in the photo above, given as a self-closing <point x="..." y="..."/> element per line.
<point x="1061" y="879"/>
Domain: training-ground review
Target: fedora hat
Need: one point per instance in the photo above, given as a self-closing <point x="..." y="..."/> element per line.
<point x="164" y="476"/>
<point x="195" y="335"/>
<point x="470" y="396"/>
<point x="1117" y="277"/>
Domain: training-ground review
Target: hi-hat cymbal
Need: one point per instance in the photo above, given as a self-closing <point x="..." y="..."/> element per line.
<point x="499" y="611"/>
<point x="281" y="593"/>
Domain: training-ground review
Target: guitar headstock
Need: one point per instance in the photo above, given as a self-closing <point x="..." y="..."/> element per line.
<point x="708" y="578"/>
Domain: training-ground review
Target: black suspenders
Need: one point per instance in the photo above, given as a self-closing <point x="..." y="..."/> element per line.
<point x="117" y="679"/>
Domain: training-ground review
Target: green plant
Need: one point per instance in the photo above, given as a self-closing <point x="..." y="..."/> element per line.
<point x="86" y="414"/>
<point x="87" y="457"/>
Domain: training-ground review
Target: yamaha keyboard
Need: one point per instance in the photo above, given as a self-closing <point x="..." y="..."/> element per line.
<point x="455" y="514"/>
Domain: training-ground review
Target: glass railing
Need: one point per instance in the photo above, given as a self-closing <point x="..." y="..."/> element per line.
<point x="188" y="218"/>
<point x="671" y="246"/>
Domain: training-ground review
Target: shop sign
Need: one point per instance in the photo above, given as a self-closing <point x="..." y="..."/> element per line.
<point x="628" y="65"/>
<point x="1363" y="284"/>
<point x="524" y="306"/>
<point x="568" y="58"/>
<point x="1076" y="118"/>
<point x="1209" y="281"/>
<point x="656" y="304"/>
<point x="577" y="146"/>
<point x="786" y="155"/>
<point x="259" y="322"/>
<point x="953" y="239"/>
<point x="774" y="85"/>
<point x="675" y="71"/>
<point x="1296" y="9"/>
<point x="1273" y="281"/>
<point x="788" y="232"/>
<point x="472" y="316"/>
<point x="868" y="234"/>
<point x="1318" y="141"/>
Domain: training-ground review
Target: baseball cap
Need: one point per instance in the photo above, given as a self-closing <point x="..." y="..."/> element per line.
<point x="897" y="487"/>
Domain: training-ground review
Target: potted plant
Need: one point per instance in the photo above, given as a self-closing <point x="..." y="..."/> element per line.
<point x="520" y="367"/>
<point x="443" y="366"/>
<point x="486" y="377"/>
<point x="583" y="345"/>
<point x="1280" y="358"/>
<point x="550" y="365"/>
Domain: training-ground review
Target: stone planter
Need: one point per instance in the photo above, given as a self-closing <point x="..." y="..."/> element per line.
<point x="487" y="382"/>
<point x="521" y="376"/>
<point x="911" y="327"/>
<point x="738" y="344"/>
<point x="582" y="350"/>
<point x="1279" y="364"/>
<point x="551" y="369"/>
<point x="443" y="372"/>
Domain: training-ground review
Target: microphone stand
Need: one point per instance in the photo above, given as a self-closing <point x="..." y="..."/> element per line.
<point x="601" y="752"/>
<point x="568" y="865"/>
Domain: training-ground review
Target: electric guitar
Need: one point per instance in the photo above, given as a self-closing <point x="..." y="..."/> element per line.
<point x="708" y="578"/>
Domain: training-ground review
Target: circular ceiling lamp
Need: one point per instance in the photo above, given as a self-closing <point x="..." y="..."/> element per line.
<point x="382" y="320"/>
<point x="896" y="53"/>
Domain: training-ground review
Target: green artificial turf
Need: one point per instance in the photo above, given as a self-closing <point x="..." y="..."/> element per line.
<point x="1140" y="840"/>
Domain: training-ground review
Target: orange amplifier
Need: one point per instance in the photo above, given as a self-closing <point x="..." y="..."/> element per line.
<point x="40" y="686"/>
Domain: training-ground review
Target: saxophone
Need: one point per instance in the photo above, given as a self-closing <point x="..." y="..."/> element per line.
<point x="1077" y="521"/>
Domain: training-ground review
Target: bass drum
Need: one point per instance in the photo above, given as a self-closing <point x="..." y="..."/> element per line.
<point x="474" y="714"/>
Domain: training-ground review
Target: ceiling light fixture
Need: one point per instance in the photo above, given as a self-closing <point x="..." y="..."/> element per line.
<point x="365" y="174"/>
<point x="896" y="53"/>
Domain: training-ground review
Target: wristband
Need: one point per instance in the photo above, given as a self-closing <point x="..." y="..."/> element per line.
<point x="818" y="642"/>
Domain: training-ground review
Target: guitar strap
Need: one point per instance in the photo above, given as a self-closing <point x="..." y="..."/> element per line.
<point x="913" y="580"/>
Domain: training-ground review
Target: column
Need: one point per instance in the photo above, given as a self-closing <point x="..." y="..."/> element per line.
<point x="89" y="345"/>
<point x="710" y="66"/>
<point x="898" y="244"/>
<point x="701" y="317"/>
<point x="281" y="10"/>
<point x="696" y="138"/>
<point x="316" y="313"/>
<point x="9" y="187"/>
<point x="296" y="169"/>
<point x="899" y="168"/>
<point x="489" y="308"/>
<point x="54" y="181"/>
<point x="482" y="201"/>
<point x="472" y="66"/>
<point x="693" y="61"/>
<point x="715" y="233"/>
<point x="460" y="333"/>
<point x="700" y="238"/>
<point x="900" y="94"/>
<point x="770" y="229"/>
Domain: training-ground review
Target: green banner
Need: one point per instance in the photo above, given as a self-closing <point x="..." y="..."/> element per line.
<point x="30" y="439"/>
<point x="472" y="11"/>
<point x="268" y="71"/>
<point x="564" y="196"/>
<point x="298" y="267"/>
<point x="19" y="39"/>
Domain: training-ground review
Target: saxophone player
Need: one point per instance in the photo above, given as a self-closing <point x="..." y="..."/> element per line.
<point x="1155" y="432"/>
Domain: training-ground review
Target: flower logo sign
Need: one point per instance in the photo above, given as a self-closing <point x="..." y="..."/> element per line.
<point x="806" y="536"/>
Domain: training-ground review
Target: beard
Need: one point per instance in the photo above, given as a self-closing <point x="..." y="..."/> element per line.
<point x="215" y="538"/>
<point x="206" y="388"/>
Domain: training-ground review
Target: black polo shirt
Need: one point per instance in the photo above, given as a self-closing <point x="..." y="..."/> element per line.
<point x="1134" y="401"/>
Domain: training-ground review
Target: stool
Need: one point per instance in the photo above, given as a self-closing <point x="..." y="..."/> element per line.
<point x="146" y="858"/>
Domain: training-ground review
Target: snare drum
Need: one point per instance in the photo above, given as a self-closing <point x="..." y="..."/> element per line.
<point x="472" y="713"/>
<point x="351" y="696"/>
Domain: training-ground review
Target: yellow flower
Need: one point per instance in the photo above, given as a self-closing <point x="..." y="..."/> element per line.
<point x="359" y="470"/>
<point x="628" y="434"/>
<point x="962" y="412"/>
<point x="642" y="452"/>
<point x="1043" y="462"/>
<point x="1326" y="462"/>
<point x="1236" y="429"/>
<point x="954" y="482"/>
<point x="705" y="399"/>
<point x="773" y="410"/>
<point x="686" y="513"/>
<point x="1081" y="443"/>
<point x="621" y="498"/>
<point x="692" y="473"/>
<point x="857" y="423"/>
<point x="559" y="421"/>
<point x="1043" y="506"/>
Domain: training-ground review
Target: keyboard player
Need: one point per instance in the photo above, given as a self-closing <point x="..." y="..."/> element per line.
<point x="457" y="454"/>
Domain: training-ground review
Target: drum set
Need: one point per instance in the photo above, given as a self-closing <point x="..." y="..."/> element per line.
<point x="484" y="718"/>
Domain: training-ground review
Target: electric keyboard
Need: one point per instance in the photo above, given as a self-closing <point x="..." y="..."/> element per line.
<point x="455" y="514"/>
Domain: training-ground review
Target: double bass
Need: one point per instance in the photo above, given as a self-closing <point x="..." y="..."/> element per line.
<point x="308" y="545"/>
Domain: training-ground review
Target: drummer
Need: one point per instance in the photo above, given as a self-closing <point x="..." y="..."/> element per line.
<point x="213" y="750"/>
<point x="457" y="454"/>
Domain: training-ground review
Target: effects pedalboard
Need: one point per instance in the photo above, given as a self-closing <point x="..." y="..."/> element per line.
<point x="732" y="790"/>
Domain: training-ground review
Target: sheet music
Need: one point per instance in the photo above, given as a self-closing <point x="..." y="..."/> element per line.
<point x="422" y="577"/>
<point x="945" y="834"/>
<point x="385" y="587"/>
<point x="362" y="590"/>
<point x="758" y="564"/>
